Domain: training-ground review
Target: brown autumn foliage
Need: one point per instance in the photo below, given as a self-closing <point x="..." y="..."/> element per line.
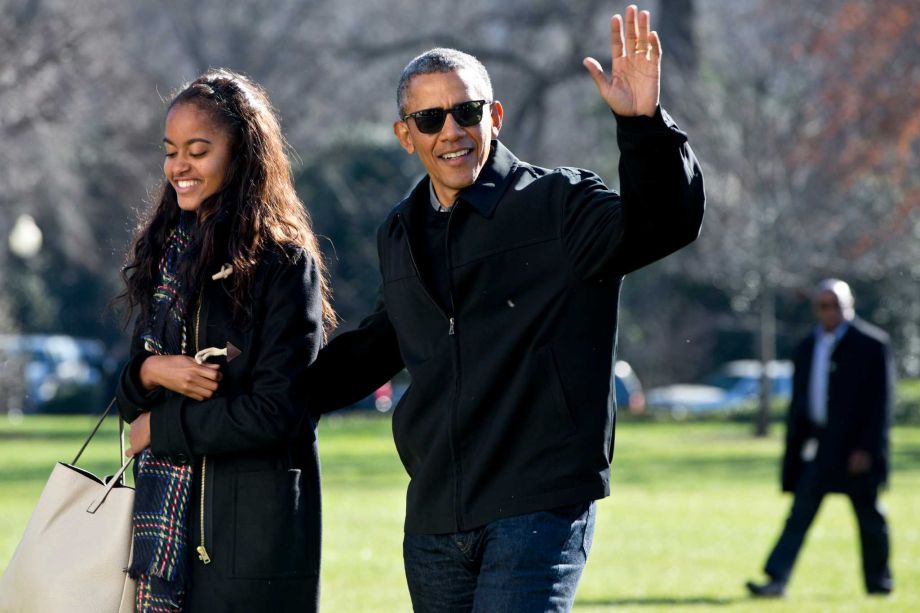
<point x="866" y="116"/>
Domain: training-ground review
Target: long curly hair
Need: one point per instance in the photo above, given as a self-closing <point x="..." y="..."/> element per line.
<point x="255" y="208"/>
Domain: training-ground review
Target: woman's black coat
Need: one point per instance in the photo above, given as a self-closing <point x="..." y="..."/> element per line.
<point x="262" y="491"/>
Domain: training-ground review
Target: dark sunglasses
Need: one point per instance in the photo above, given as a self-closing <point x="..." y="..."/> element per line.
<point x="466" y="114"/>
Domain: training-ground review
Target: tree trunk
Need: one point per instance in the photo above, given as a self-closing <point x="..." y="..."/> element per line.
<point x="767" y="353"/>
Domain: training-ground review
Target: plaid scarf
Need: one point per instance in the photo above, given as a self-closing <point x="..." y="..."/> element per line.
<point x="162" y="489"/>
<point x="166" y="330"/>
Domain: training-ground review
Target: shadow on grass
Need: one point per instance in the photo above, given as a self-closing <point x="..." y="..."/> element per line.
<point x="39" y="472"/>
<point x="906" y="459"/>
<point x="731" y="467"/>
<point x="659" y="601"/>
<point x="369" y="470"/>
<point x="37" y="435"/>
<point x="695" y="467"/>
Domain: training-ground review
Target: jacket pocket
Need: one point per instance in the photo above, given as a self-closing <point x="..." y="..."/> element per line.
<point x="549" y="373"/>
<point x="271" y="538"/>
<point x="417" y="424"/>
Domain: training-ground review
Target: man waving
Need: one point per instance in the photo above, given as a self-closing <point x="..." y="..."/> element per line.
<point x="500" y="285"/>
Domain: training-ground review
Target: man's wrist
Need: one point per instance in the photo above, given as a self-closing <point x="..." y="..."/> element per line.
<point x="640" y="120"/>
<point x="642" y="131"/>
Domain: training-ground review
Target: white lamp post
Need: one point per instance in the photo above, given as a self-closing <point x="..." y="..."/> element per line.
<point x="25" y="237"/>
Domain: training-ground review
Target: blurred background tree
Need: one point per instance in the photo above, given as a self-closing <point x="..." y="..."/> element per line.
<point x="806" y="119"/>
<point x="813" y="141"/>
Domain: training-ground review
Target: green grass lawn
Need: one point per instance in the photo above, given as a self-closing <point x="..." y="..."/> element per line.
<point x="694" y="511"/>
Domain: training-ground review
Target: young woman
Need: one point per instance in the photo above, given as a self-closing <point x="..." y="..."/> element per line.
<point x="231" y="305"/>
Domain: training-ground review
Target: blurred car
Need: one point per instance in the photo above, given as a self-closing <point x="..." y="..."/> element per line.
<point x="736" y="385"/>
<point x="627" y="387"/>
<point x="51" y="373"/>
<point x="383" y="399"/>
<point x="628" y="391"/>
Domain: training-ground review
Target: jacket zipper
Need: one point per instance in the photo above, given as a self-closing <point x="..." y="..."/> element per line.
<point x="451" y="332"/>
<point x="202" y="552"/>
<point x="452" y="434"/>
<point x="449" y="318"/>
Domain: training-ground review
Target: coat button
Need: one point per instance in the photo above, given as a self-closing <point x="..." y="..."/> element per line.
<point x="181" y="458"/>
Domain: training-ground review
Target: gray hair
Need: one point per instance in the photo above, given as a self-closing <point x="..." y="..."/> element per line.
<point x="841" y="290"/>
<point x="440" y="60"/>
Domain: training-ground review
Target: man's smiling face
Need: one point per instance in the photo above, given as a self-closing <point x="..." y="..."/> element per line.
<point x="453" y="156"/>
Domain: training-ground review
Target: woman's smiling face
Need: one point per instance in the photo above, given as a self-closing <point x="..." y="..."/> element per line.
<point x="197" y="155"/>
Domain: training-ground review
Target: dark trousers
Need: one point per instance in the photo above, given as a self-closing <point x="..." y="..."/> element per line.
<point x="873" y="535"/>
<point x="525" y="564"/>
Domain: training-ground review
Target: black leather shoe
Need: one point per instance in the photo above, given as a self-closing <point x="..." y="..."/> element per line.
<point x="771" y="589"/>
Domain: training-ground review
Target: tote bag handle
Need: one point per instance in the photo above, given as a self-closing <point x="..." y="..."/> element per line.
<point x="121" y="436"/>
<point x="115" y="480"/>
<point x="117" y="477"/>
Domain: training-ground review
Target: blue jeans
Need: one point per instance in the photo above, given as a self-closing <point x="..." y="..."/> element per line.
<point x="522" y="564"/>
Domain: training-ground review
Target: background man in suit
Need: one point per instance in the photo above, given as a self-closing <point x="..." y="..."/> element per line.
<point x="837" y="435"/>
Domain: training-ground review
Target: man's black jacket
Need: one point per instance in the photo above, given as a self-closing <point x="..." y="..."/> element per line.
<point x="511" y="407"/>
<point x="860" y="391"/>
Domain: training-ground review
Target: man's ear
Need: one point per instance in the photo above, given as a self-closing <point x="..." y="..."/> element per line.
<point x="497" y="113"/>
<point x="401" y="130"/>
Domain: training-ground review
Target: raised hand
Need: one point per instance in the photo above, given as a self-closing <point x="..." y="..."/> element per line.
<point x="633" y="86"/>
<point x="180" y="374"/>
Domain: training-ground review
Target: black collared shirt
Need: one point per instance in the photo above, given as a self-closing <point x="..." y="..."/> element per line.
<point x="433" y="264"/>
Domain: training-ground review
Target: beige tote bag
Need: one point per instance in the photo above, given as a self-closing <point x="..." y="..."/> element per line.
<point x="77" y="545"/>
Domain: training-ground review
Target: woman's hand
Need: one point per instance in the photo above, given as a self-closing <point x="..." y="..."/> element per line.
<point x="180" y="374"/>
<point x="139" y="435"/>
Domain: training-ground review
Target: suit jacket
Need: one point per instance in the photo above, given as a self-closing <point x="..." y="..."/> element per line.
<point x="859" y="406"/>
